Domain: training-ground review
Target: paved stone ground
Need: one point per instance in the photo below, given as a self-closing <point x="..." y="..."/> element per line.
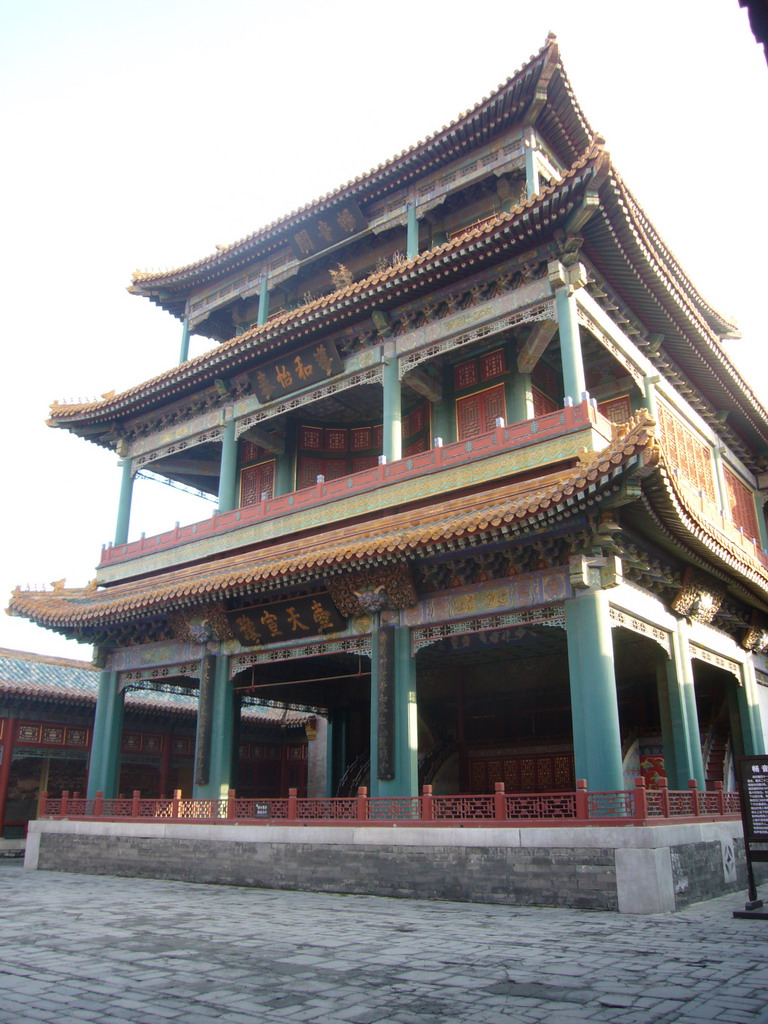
<point x="76" y="948"/>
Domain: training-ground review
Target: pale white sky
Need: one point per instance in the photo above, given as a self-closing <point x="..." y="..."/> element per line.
<point x="141" y="134"/>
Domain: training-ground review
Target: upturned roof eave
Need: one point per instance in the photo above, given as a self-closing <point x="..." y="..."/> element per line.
<point x="204" y="369"/>
<point x="390" y="175"/>
<point x="512" y="506"/>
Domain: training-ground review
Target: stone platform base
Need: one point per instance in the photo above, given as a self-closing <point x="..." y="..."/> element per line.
<point x="635" y="870"/>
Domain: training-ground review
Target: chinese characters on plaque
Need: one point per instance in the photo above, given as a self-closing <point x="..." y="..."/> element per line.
<point x="291" y="372"/>
<point x="328" y="228"/>
<point x="286" y="620"/>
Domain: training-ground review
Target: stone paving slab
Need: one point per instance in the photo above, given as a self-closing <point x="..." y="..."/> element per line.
<point x="79" y="948"/>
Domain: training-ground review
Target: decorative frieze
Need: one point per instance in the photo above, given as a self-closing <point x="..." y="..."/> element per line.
<point x="711" y="658"/>
<point x="348" y="645"/>
<point x="638" y="625"/>
<point x="700" y="598"/>
<point x="552" y="615"/>
<point x="372" y="590"/>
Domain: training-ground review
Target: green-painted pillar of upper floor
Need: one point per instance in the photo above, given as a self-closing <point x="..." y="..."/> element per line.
<point x="594" y="702"/>
<point x="532" y="182"/>
<point x="412" y="232"/>
<point x="263" y="314"/>
<point x="564" y="282"/>
<point x="228" y="469"/>
<point x="392" y="412"/>
<point x="104" y="763"/>
<point x="520" y="397"/>
<point x="124" y="503"/>
<point x="722" y="490"/>
<point x="184" y="351"/>
<point x="394" y="729"/>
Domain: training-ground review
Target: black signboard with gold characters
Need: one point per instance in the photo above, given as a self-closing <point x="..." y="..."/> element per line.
<point x="328" y="228"/>
<point x="311" y="364"/>
<point x="752" y="773"/>
<point x="300" y="617"/>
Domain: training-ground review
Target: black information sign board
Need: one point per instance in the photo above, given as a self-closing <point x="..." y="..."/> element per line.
<point x="753" y="791"/>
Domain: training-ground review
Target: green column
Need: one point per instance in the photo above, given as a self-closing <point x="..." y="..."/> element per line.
<point x="749" y="713"/>
<point x="228" y="473"/>
<point x="649" y="390"/>
<point x="670" y="735"/>
<point x="574" y="381"/>
<point x="684" y="674"/>
<point x="184" y="353"/>
<point x="263" y="314"/>
<point x="761" y="523"/>
<point x="285" y="468"/>
<point x="412" y="242"/>
<point x="722" y="490"/>
<point x="104" y="766"/>
<point x="594" y="704"/>
<point x="124" y="504"/>
<point x="673" y="708"/>
<point x="393" y="437"/>
<point x="215" y="729"/>
<point x="394" y="731"/>
<point x="520" y="398"/>
<point x="531" y="169"/>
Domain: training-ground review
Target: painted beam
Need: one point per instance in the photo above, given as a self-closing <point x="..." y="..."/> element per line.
<point x="271" y="440"/>
<point x="535" y="345"/>
<point x="187" y="466"/>
<point x="423" y="384"/>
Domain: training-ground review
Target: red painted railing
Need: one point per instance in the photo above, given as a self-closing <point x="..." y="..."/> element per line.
<point x="636" y="806"/>
<point x="501" y="439"/>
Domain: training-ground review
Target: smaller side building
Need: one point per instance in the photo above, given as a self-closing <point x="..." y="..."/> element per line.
<point x="47" y="709"/>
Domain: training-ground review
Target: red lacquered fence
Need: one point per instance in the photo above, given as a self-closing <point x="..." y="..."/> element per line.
<point x="638" y="806"/>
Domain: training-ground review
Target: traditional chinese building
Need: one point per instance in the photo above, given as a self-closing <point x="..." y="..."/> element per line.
<point x="489" y="487"/>
<point x="47" y="708"/>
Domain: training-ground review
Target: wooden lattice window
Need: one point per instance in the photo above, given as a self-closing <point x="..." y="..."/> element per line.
<point x="310" y="468"/>
<point x="742" y="504"/>
<point x="691" y="457"/>
<point x="465" y="375"/>
<point x="257" y="481"/>
<point x="477" y="414"/>
<point x="616" y="410"/>
<point x="542" y="404"/>
<point x="492" y="365"/>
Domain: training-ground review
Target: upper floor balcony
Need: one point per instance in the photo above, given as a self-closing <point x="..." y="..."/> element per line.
<point x="538" y="446"/>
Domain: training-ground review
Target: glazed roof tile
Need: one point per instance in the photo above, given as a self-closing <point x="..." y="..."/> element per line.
<point x="38" y="677"/>
<point x="494" y="511"/>
<point x="484" y="120"/>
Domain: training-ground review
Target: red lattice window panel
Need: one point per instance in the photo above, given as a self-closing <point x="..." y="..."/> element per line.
<point x="544" y="377"/>
<point x="360" y="439"/>
<point x="310" y="468"/>
<point x="742" y="505"/>
<point x="378" y="436"/>
<point x="364" y="462"/>
<point x="492" y="365"/>
<point x="311" y="438"/>
<point x="465" y="375"/>
<point x="477" y="414"/>
<point x="257" y="481"/>
<point x="249" y="452"/>
<point x="691" y="457"/>
<point x="542" y="404"/>
<point x="616" y="410"/>
<point x="336" y="440"/>
<point x="414" y="447"/>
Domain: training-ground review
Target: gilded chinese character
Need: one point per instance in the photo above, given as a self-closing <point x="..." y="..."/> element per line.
<point x="295" y="621"/>
<point x="283" y="375"/>
<point x="323" y="360"/>
<point x="264" y="386"/>
<point x="270" y="621"/>
<point x="346" y="221"/>
<point x="302" y="371"/>
<point x="325" y="229"/>
<point x="304" y="243"/>
<point x="322" y="616"/>
<point x="248" y="630"/>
